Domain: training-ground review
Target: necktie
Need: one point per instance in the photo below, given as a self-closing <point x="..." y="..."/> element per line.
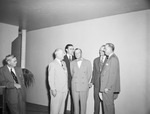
<point x="102" y="59"/>
<point x="70" y="58"/>
<point x="14" y="76"/>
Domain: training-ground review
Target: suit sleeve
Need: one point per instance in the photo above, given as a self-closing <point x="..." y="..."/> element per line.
<point x="22" y="78"/>
<point x="51" y="76"/>
<point x="71" y="67"/>
<point x="5" y="82"/>
<point x="113" y="72"/>
<point x="93" y="73"/>
<point x="89" y="70"/>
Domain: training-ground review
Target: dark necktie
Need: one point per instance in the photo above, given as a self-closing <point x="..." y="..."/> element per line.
<point x="14" y="76"/>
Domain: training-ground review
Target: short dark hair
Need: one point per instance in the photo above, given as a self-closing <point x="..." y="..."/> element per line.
<point x="66" y="47"/>
<point x="111" y="45"/>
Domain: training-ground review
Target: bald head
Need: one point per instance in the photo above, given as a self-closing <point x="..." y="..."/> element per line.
<point x="59" y="54"/>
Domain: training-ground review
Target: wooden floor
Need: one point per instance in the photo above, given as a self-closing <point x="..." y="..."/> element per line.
<point x="35" y="109"/>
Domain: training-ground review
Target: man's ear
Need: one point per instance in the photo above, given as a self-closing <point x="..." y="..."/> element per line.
<point x="66" y="50"/>
<point x="8" y="62"/>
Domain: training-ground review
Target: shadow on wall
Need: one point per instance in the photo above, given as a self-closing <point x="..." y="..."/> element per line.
<point x="48" y="89"/>
<point x="28" y="77"/>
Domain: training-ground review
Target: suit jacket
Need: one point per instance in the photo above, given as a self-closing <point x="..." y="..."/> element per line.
<point x="58" y="76"/>
<point x="7" y="80"/>
<point x="80" y="76"/>
<point x="110" y="76"/>
<point x="68" y="69"/>
<point x="96" y="74"/>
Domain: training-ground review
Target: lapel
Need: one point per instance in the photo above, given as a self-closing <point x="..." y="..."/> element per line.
<point x="57" y="63"/>
<point x="8" y="74"/>
<point x="18" y="74"/>
<point x="16" y="71"/>
<point x="100" y="62"/>
<point x="66" y="59"/>
<point x="97" y="62"/>
<point x="73" y="58"/>
<point x="104" y="64"/>
<point x="61" y="68"/>
<point x="76" y="63"/>
<point x="82" y="64"/>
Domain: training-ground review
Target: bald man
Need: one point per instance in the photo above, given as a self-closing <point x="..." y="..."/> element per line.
<point x="58" y="83"/>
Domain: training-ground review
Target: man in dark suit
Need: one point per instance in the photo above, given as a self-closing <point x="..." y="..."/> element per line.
<point x="69" y="49"/>
<point x="110" y="80"/>
<point x="96" y="76"/>
<point x="12" y="77"/>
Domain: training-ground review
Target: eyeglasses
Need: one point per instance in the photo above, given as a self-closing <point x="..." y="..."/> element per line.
<point x="102" y="51"/>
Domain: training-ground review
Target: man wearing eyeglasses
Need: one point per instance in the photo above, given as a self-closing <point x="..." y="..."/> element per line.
<point x="96" y="76"/>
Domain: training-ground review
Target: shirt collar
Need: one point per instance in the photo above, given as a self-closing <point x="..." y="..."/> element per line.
<point x="10" y="68"/>
<point x="80" y="59"/>
<point x="58" y="61"/>
<point x="110" y="55"/>
<point x="68" y="55"/>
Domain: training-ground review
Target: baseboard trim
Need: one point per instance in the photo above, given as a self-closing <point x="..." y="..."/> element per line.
<point x="36" y="107"/>
<point x="32" y="107"/>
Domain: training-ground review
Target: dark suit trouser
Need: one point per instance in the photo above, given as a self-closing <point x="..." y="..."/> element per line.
<point x="96" y="101"/>
<point x="17" y="108"/>
<point x="108" y="103"/>
<point x="71" y="101"/>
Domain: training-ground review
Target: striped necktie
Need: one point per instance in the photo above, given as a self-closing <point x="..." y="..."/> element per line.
<point x="14" y="76"/>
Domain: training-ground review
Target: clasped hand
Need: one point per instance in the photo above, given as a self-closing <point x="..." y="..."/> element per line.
<point x="54" y="92"/>
<point x="18" y="86"/>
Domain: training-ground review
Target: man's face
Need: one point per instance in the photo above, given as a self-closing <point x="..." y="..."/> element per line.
<point x="108" y="50"/>
<point x="78" y="54"/>
<point x="102" y="51"/>
<point x="12" y="62"/>
<point x="70" y="50"/>
<point x="60" y="55"/>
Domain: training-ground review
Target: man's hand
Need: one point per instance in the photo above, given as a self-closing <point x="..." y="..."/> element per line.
<point x="106" y="90"/>
<point x="115" y="96"/>
<point x="100" y="96"/>
<point x="90" y="85"/>
<point x="54" y="92"/>
<point x="18" y="86"/>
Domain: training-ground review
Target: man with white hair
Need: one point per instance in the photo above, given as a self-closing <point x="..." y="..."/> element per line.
<point x="12" y="77"/>
<point x="58" y="83"/>
<point x="110" y="80"/>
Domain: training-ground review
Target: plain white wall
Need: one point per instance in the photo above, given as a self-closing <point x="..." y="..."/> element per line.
<point x="7" y="34"/>
<point x="148" y="65"/>
<point x="129" y="34"/>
